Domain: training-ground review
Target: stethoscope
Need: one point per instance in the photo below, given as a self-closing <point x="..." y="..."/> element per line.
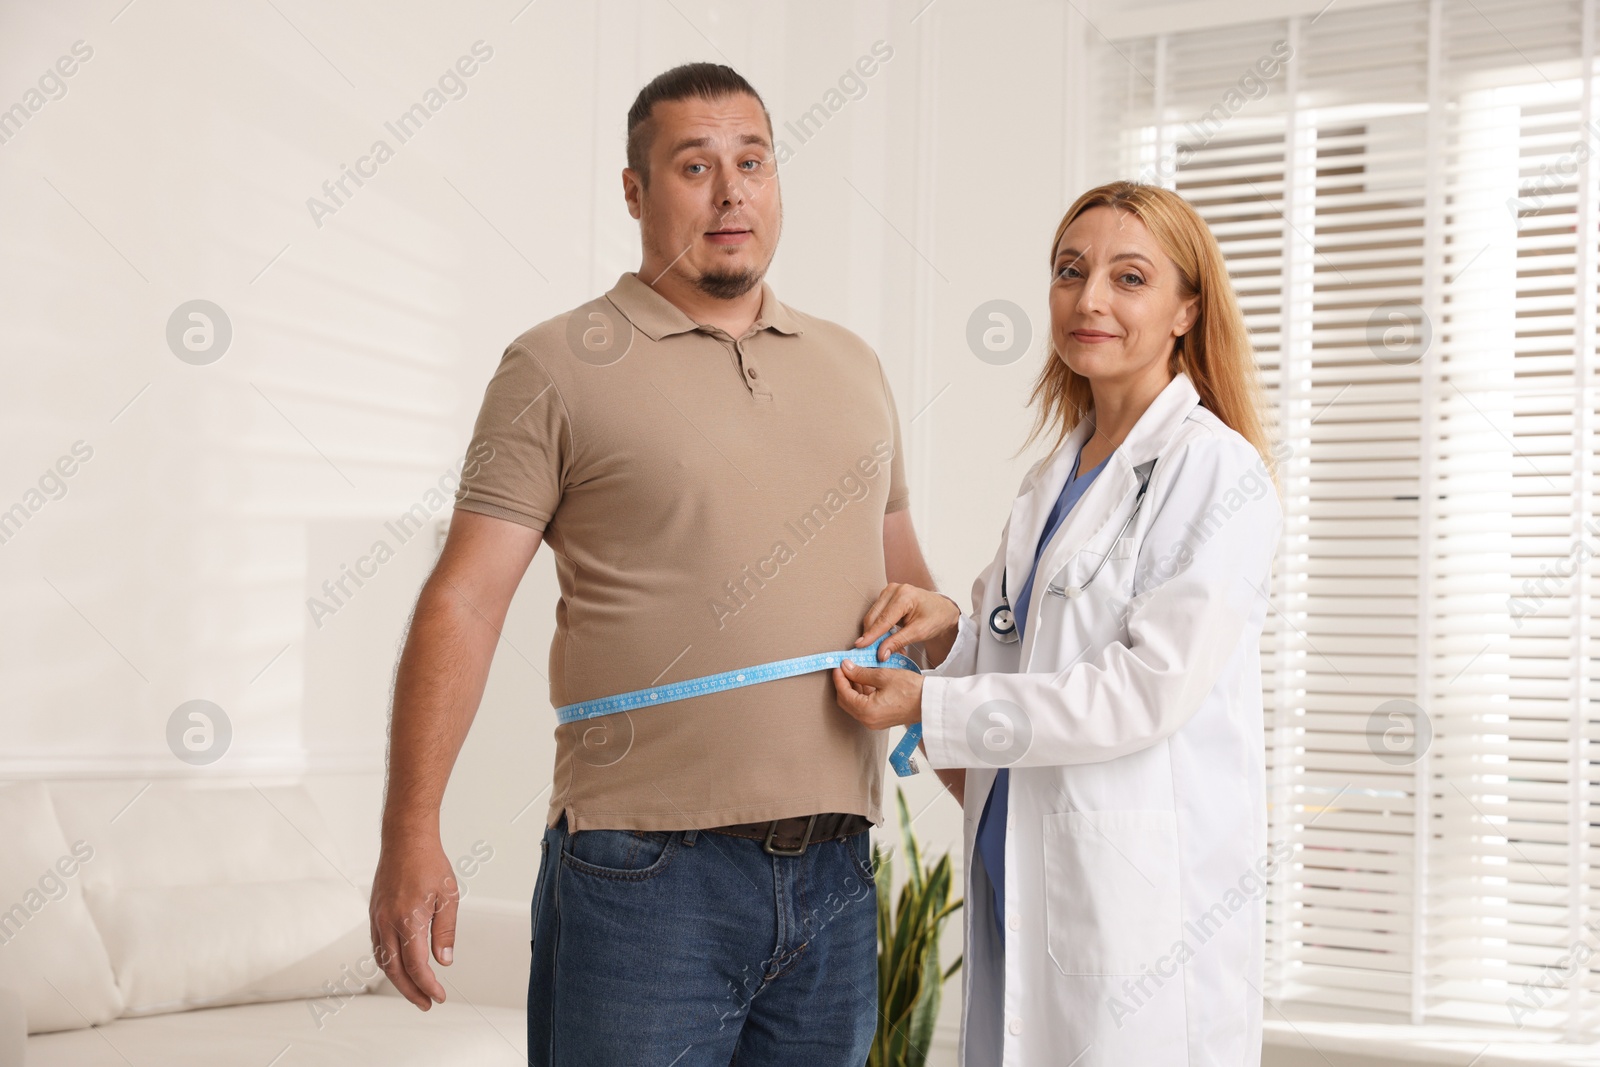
<point x="1003" y="625"/>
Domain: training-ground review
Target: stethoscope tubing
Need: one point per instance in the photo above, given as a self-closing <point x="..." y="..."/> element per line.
<point x="1001" y="623"/>
<point x="1077" y="591"/>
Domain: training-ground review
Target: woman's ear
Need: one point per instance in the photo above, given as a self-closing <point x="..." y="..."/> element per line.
<point x="1187" y="314"/>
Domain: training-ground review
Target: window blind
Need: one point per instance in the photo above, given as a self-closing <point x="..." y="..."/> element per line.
<point x="1406" y="203"/>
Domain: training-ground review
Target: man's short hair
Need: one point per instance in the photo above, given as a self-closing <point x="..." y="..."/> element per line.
<point x="707" y="81"/>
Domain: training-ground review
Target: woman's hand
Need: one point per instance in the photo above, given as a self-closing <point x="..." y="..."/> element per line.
<point x="919" y="613"/>
<point x="879" y="697"/>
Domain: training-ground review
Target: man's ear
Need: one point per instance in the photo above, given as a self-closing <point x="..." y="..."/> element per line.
<point x="632" y="190"/>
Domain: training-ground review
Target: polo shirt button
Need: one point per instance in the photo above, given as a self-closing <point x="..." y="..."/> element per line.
<point x="1015" y="1027"/>
<point x="750" y="371"/>
<point x="1014" y="922"/>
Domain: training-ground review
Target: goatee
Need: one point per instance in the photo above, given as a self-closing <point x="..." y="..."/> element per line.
<point x="727" y="285"/>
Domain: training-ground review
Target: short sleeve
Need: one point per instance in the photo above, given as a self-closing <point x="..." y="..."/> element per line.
<point x="521" y="445"/>
<point x="899" y="491"/>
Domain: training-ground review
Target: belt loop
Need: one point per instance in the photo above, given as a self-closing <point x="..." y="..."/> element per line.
<point x="689" y="836"/>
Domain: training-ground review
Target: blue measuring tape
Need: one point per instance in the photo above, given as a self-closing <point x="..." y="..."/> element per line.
<point x="902" y="759"/>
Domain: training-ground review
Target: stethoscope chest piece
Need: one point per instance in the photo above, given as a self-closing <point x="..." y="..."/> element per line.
<point x="1002" y="625"/>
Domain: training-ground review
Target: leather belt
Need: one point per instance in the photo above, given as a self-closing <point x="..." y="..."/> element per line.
<point x="792" y="836"/>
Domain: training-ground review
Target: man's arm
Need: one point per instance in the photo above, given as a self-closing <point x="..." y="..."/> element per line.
<point x="439" y="682"/>
<point x="903" y="562"/>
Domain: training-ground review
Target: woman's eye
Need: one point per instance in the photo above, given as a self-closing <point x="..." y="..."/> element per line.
<point x="1069" y="271"/>
<point x="1133" y="279"/>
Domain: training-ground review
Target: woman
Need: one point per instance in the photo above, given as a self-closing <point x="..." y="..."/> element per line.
<point x="1099" y="713"/>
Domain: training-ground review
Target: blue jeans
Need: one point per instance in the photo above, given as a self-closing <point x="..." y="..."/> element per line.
<point x="688" y="948"/>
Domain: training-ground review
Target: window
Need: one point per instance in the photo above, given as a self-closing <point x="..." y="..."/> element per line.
<point x="1407" y="203"/>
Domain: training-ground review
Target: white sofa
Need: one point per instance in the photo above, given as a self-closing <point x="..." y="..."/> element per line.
<point x="207" y="922"/>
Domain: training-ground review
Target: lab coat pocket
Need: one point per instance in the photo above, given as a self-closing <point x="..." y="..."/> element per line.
<point x="1111" y="890"/>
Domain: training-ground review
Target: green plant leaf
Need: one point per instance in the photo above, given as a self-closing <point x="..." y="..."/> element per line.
<point x="910" y="982"/>
<point x="926" y="1010"/>
<point x="908" y="840"/>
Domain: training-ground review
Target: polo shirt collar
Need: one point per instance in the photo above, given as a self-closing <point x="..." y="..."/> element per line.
<point x="656" y="317"/>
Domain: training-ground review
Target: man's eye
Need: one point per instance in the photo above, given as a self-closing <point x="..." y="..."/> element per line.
<point x="694" y="165"/>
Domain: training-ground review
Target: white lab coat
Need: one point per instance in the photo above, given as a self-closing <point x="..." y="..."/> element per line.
<point x="1131" y="718"/>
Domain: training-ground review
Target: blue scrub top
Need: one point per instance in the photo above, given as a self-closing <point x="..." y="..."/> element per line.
<point x="990" y="842"/>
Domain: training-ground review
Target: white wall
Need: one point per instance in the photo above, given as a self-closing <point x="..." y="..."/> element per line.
<point x="177" y="166"/>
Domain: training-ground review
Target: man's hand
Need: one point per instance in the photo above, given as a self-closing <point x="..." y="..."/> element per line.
<point x="413" y="906"/>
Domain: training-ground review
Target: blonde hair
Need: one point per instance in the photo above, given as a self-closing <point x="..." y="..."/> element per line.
<point x="1215" y="352"/>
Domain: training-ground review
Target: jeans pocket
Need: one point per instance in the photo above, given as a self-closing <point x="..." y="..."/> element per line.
<point x="859" y="846"/>
<point x="1112" y="905"/>
<point x="622" y="855"/>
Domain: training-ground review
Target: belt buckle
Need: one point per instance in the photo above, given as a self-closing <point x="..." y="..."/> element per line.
<point x="772" y="830"/>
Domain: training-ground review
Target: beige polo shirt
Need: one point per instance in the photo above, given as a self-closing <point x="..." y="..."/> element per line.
<point x="712" y="503"/>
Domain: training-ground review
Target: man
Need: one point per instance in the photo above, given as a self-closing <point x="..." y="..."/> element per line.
<point x="720" y="477"/>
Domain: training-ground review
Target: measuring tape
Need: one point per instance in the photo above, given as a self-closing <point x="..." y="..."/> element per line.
<point x="902" y="759"/>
